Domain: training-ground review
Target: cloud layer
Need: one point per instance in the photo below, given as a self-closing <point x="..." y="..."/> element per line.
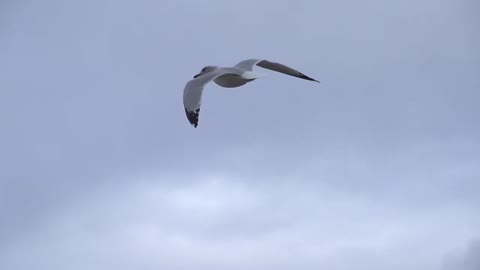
<point x="375" y="168"/>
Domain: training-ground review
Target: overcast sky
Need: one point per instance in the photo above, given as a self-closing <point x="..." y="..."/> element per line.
<point x="376" y="167"/>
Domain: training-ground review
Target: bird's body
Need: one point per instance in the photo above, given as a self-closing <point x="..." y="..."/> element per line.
<point x="230" y="80"/>
<point x="228" y="77"/>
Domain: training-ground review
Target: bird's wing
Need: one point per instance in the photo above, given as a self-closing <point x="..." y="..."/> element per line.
<point x="250" y="63"/>
<point x="192" y="93"/>
<point x="247" y="64"/>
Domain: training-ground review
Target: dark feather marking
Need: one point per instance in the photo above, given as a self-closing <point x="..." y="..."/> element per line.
<point x="192" y="116"/>
<point x="283" y="69"/>
<point x="303" y="76"/>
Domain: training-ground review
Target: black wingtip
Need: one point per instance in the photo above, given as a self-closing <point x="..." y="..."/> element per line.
<point x="192" y="116"/>
<point x="305" y="77"/>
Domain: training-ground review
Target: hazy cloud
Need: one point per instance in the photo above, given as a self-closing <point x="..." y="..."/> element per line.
<point x="376" y="167"/>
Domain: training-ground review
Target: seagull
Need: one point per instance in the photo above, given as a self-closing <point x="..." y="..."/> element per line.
<point x="228" y="77"/>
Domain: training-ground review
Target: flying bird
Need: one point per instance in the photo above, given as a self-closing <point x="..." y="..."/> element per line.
<point x="228" y="77"/>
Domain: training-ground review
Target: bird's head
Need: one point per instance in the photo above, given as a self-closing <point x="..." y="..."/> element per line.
<point x="205" y="70"/>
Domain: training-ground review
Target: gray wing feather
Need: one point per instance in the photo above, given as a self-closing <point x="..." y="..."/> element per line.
<point x="249" y="63"/>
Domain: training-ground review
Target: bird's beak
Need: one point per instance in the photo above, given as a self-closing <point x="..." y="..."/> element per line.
<point x="196" y="75"/>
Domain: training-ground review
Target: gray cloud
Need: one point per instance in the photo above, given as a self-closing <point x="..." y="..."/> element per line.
<point x="219" y="220"/>
<point x="469" y="258"/>
<point x="388" y="143"/>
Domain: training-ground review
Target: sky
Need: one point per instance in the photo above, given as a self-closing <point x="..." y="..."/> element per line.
<point x="376" y="167"/>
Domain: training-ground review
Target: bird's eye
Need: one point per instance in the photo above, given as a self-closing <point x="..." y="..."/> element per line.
<point x="204" y="69"/>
